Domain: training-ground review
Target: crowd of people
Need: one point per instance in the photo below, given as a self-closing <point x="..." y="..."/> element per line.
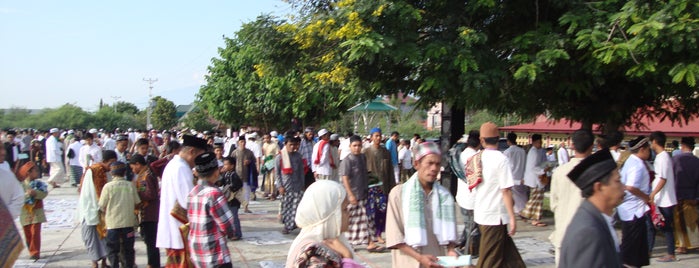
<point x="182" y="191"/>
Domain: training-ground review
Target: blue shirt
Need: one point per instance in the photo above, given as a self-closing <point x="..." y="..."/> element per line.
<point x="393" y="148"/>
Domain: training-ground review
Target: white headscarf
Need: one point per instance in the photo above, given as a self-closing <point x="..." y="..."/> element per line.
<point x="319" y="215"/>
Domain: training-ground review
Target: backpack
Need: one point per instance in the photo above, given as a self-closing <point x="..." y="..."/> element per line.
<point x="71" y="153"/>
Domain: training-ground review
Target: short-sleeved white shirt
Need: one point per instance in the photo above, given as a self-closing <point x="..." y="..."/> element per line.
<point x="406" y="158"/>
<point x="490" y="208"/>
<point x="663" y="169"/>
<point x="634" y="173"/>
<point x="465" y="198"/>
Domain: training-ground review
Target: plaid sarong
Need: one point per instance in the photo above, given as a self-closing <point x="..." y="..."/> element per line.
<point x="290" y="202"/>
<point x="535" y="206"/>
<point x="361" y="228"/>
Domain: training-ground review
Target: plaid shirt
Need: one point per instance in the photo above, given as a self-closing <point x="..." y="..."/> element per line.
<point x="210" y="221"/>
<point x="306" y="150"/>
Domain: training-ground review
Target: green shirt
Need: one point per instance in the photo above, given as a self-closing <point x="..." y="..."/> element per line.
<point x="118" y="201"/>
<point x="32" y="214"/>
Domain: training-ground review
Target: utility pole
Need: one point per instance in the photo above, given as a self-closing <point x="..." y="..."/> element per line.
<point x="116" y="99"/>
<point x="149" y="110"/>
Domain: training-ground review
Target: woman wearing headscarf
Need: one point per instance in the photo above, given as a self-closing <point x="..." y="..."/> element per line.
<point x="322" y="216"/>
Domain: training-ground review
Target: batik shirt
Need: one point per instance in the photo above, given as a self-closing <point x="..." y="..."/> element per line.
<point x="306" y="150"/>
<point x="210" y="222"/>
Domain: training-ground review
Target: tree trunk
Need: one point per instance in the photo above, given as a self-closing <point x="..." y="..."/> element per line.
<point x="452" y="129"/>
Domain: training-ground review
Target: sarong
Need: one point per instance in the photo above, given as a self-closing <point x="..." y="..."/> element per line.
<point x="361" y="228"/>
<point x="497" y="248"/>
<point x="177" y="258"/>
<point x="96" y="247"/>
<point x="376" y="209"/>
<point x="535" y="206"/>
<point x="290" y="201"/>
<point x="9" y="238"/>
<point x="520" y="195"/>
<point x="57" y="173"/>
<point x="634" y="242"/>
<point x="686" y="225"/>
<point x="76" y="173"/>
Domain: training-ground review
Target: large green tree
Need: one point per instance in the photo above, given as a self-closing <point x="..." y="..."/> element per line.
<point x="164" y="113"/>
<point x="270" y="73"/>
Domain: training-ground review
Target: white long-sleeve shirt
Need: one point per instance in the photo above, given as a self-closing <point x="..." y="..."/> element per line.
<point x="177" y="182"/>
<point x="11" y="192"/>
<point x="532" y="168"/>
<point x="53" y="150"/>
<point x="563" y="156"/>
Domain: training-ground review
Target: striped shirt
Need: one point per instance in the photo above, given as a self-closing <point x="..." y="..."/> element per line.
<point x="210" y="222"/>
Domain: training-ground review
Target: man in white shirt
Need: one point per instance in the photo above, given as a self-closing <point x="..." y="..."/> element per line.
<point x="566" y="197"/>
<point x="533" y="210"/>
<point x="73" y="156"/>
<point x="663" y="192"/>
<point x="11" y="192"/>
<point x="90" y="153"/>
<point x="466" y="198"/>
<point x="516" y="156"/>
<point x="635" y="175"/>
<point x="405" y="160"/>
<point x="563" y="154"/>
<point x="322" y="165"/>
<point x="54" y="157"/>
<point x="345" y="146"/>
<point x="494" y="206"/>
<point x="255" y="147"/>
<point x="109" y="143"/>
<point x="177" y="182"/>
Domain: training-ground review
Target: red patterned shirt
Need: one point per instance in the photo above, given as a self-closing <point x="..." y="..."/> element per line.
<point x="210" y="222"/>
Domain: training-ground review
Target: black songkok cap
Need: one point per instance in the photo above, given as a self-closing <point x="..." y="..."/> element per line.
<point x="122" y="138"/>
<point x="195" y="142"/>
<point x="592" y="169"/>
<point x="205" y="163"/>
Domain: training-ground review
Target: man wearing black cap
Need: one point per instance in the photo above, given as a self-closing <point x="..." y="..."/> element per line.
<point x="686" y="168"/>
<point x="211" y="221"/>
<point x="177" y="182"/>
<point x="565" y="195"/>
<point x="633" y="212"/>
<point x="590" y="239"/>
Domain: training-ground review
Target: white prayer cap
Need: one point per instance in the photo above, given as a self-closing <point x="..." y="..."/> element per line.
<point x="93" y="131"/>
<point x="274" y="133"/>
<point x="53" y="130"/>
<point x="334" y="137"/>
<point x="322" y="132"/>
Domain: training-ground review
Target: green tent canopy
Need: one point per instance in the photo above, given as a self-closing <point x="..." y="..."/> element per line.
<point x="368" y="110"/>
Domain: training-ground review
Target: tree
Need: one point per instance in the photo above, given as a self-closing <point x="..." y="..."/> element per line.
<point x="267" y="75"/>
<point x="68" y="116"/>
<point x="519" y="57"/>
<point x="198" y="119"/>
<point x="126" y="107"/>
<point x="164" y="113"/>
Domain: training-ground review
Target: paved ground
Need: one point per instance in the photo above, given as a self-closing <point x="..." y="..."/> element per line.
<point x="263" y="244"/>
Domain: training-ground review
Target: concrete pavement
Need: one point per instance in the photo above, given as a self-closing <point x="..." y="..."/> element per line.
<point x="263" y="244"/>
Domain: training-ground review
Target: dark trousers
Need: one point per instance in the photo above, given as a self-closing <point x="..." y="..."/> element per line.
<point x="634" y="242"/>
<point x="308" y="179"/>
<point x="120" y="247"/>
<point x="236" y="221"/>
<point x="149" y="230"/>
<point x="668" y="230"/>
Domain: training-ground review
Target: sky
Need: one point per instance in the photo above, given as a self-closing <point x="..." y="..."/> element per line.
<point x="57" y="52"/>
